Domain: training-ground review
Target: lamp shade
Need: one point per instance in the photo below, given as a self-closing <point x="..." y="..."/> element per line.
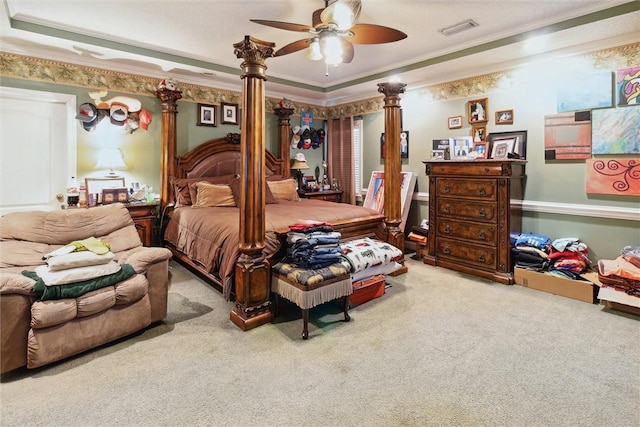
<point x="112" y="159"/>
<point x="299" y="162"/>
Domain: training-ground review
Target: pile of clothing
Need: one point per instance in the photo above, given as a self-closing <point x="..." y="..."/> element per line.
<point x="566" y="256"/>
<point x="623" y="273"/>
<point x="77" y="268"/>
<point x="313" y="245"/>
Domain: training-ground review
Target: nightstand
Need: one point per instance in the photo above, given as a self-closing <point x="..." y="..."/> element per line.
<point x="328" y="195"/>
<point x="144" y="216"/>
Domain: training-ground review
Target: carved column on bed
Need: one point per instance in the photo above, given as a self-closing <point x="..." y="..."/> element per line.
<point x="285" y="136"/>
<point x="392" y="165"/>
<point x="253" y="274"/>
<point x="169" y="105"/>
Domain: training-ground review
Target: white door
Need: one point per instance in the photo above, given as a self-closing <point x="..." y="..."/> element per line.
<point x="37" y="148"/>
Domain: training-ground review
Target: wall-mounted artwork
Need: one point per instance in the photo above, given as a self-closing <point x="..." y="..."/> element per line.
<point x="628" y="86"/>
<point x="567" y="136"/>
<point x="620" y="177"/>
<point x="404" y="145"/>
<point x="586" y="91"/>
<point x="616" y="131"/>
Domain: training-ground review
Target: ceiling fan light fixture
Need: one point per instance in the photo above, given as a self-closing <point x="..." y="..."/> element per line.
<point x="459" y="27"/>
<point x="313" y="52"/>
<point x="344" y="13"/>
<point x="331" y="49"/>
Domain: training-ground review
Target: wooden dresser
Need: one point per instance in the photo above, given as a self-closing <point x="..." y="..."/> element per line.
<point x="471" y="215"/>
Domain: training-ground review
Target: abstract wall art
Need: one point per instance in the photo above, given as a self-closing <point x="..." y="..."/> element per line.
<point x="620" y="177"/>
<point x="615" y="131"/>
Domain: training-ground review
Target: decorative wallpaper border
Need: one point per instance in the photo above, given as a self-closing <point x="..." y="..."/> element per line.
<point x="43" y="70"/>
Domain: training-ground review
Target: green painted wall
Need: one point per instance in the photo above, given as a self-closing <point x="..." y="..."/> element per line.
<point x="531" y="93"/>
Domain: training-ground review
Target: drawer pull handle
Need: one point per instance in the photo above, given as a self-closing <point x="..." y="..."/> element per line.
<point x="481" y="258"/>
<point x="446" y="208"/>
<point x="483" y="213"/>
<point x="447" y="229"/>
<point x="447" y="189"/>
<point x="482" y="236"/>
<point x="446" y="250"/>
<point x="483" y="191"/>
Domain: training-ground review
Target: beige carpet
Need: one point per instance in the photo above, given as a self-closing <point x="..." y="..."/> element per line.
<point x="438" y="349"/>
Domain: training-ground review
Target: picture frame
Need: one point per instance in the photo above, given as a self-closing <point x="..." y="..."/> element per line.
<point x="478" y="110"/>
<point x="207" y="114"/>
<point x="114" y="195"/>
<point x="481" y="149"/>
<point x="454" y="122"/>
<point x="516" y="143"/>
<point x="460" y="147"/>
<point x="114" y="188"/>
<point x="229" y="114"/>
<point x="479" y="133"/>
<point x="97" y="185"/>
<point x="404" y="145"/>
<point x="501" y="148"/>
<point x="504" y="117"/>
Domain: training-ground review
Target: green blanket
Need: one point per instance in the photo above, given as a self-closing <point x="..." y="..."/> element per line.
<point x="74" y="290"/>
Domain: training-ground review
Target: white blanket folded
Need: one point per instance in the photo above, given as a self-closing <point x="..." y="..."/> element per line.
<point x="78" y="259"/>
<point x="72" y="275"/>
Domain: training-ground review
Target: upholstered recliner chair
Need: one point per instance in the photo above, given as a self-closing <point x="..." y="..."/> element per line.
<point x="36" y="332"/>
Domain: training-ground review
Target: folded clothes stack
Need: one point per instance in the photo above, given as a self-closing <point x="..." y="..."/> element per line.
<point x="76" y="267"/>
<point x="566" y="257"/>
<point x="313" y="245"/>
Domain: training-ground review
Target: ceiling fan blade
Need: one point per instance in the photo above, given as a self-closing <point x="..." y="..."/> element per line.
<point x="347" y="51"/>
<point x="293" y="47"/>
<point x="374" y="34"/>
<point x="343" y="13"/>
<point x="283" y="25"/>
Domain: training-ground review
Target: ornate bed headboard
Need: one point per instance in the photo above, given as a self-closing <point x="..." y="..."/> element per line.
<point x="218" y="157"/>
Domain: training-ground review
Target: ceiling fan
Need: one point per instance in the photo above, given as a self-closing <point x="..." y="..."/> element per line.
<point x="333" y="32"/>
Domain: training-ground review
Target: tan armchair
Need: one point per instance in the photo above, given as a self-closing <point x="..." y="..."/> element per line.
<point x="34" y="332"/>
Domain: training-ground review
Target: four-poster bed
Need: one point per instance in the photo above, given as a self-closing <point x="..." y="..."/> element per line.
<point x="242" y="265"/>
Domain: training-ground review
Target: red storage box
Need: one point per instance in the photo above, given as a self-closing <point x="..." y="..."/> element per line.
<point x="367" y="289"/>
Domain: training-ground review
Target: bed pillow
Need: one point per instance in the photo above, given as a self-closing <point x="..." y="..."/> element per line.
<point x="235" y="187"/>
<point x="213" y="195"/>
<point x="186" y="196"/>
<point x="284" y="190"/>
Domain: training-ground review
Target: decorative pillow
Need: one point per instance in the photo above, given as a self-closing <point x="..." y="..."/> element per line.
<point x="235" y="187"/>
<point x="210" y="195"/>
<point x="186" y="196"/>
<point x="284" y="189"/>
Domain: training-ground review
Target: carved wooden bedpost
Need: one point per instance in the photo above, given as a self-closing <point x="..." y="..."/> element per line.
<point x="168" y="153"/>
<point x="253" y="275"/>
<point x="392" y="164"/>
<point x="283" y="114"/>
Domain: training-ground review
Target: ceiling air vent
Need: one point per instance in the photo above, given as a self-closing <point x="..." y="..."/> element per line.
<point x="459" y="27"/>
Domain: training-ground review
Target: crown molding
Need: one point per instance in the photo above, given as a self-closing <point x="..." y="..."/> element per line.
<point x="63" y="73"/>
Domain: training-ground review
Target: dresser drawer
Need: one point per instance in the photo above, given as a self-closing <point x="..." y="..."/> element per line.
<point x="482" y="189"/>
<point x="469" y="168"/>
<point x="477" y="255"/>
<point x="476" y="211"/>
<point x="473" y="232"/>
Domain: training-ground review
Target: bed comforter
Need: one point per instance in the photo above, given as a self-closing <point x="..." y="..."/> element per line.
<point x="210" y="236"/>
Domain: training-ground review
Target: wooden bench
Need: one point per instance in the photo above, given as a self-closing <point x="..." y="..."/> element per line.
<point x="308" y="288"/>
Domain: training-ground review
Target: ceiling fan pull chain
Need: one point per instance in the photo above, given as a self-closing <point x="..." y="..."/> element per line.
<point x="326" y="69"/>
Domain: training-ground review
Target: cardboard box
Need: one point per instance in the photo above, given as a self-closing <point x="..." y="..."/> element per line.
<point x="581" y="290"/>
<point x="366" y="290"/>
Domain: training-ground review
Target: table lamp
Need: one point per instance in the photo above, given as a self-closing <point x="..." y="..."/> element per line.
<point x="299" y="164"/>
